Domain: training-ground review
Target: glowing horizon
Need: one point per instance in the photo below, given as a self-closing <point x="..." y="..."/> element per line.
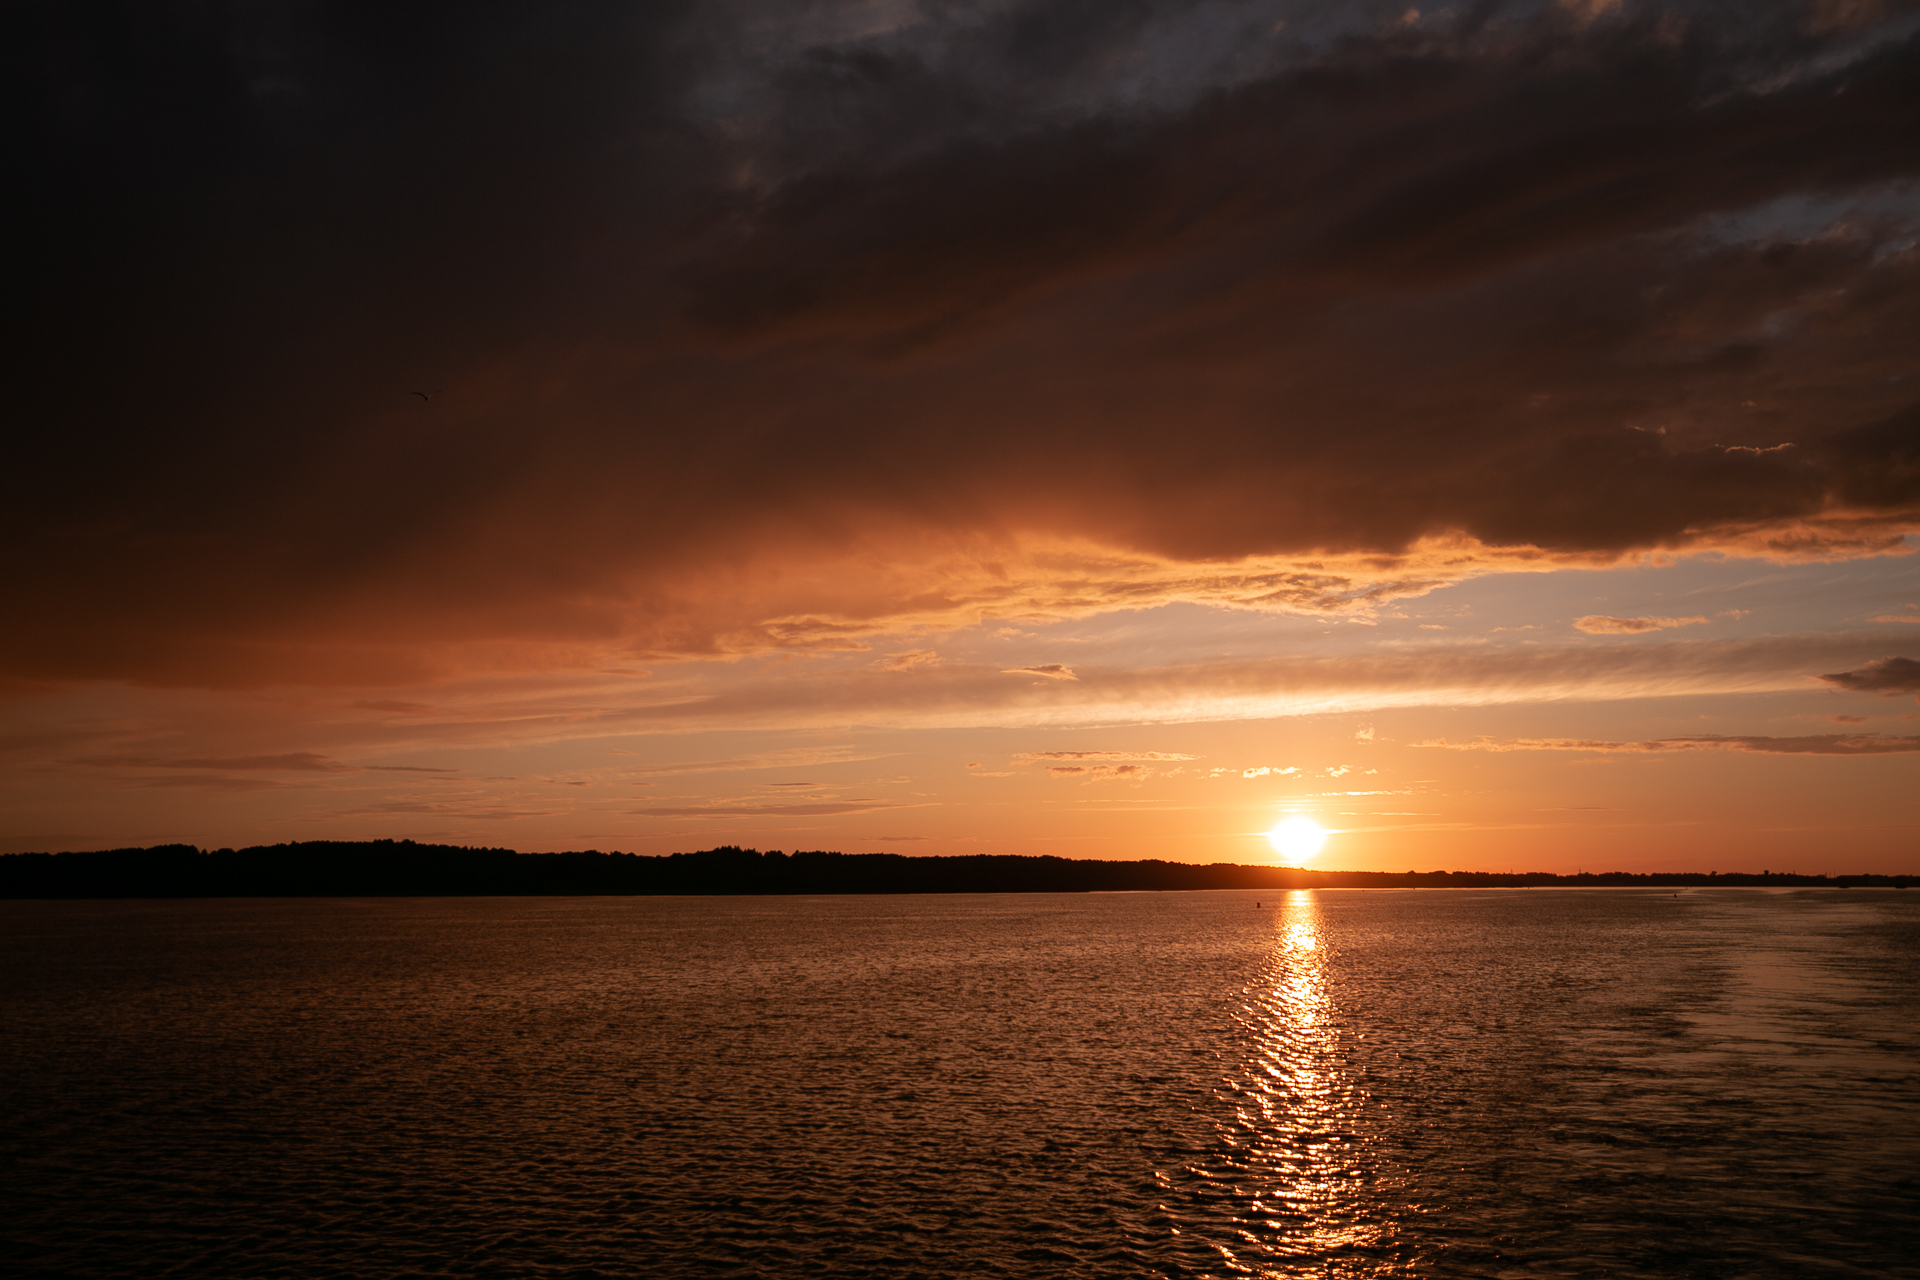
<point x="1489" y="433"/>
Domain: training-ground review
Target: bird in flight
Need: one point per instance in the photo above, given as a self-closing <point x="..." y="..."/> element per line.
<point x="424" y="396"/>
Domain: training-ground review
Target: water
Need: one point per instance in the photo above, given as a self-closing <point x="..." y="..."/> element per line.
<point x="1337" y="1084"/>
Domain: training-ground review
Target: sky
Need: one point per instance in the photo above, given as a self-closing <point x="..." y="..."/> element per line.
<point x="1101" y="429"/>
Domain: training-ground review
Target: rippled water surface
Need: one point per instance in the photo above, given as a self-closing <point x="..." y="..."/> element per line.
<point x="1501" y="1083"/>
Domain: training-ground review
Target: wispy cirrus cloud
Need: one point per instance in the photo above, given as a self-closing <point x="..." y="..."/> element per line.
<point x="475" y="808"/>
<point x="210" y="782"/>
<point x="288" y="762"/>
<point x="1102" y="772"/>
<point x="908" y="660"/>
<point x="841" y="692"/>
<point x="1101" y="755"/>
<point x="956" y="694"/>
<point x="820" y="810"/>
<point x="1600" y="624"/>
<point x="793" y="758"/>
<point x="1821" y="744"/>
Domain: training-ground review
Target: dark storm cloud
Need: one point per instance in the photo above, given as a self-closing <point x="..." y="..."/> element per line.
<point x="694" y="304"/>
<point x="1885" y="676"/>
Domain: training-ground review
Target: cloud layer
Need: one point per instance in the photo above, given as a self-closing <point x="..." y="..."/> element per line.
<point x="1884" y="676"/>
<point x="1599" y="624"/>
<point x="742" y="327"/>
<point x="1819" y="744"/>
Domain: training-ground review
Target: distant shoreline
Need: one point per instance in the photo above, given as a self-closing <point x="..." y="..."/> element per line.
<point x="389" y="868"/>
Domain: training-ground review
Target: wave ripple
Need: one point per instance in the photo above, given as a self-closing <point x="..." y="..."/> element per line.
<point x="1551" y="1083"/>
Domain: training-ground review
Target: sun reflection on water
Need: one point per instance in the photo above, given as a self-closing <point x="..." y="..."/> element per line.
<point x="1309" y="1192"/>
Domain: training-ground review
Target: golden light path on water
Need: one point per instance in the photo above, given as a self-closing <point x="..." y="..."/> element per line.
<point x="1312" y="1193"/>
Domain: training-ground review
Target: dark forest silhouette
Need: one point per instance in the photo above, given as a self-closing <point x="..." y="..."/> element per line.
<point x="378" y="868"/>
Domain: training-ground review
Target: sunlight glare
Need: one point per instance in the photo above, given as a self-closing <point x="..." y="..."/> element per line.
<point x="1298" y="838"/>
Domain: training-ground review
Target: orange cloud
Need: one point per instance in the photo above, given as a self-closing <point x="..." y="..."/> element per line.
<point x="823" y="809"/>
<point x="1102" y="772"/>
<point x="1824" y="744"/>
<point x="1102" y="755"/>
<point x="840" y="692"/>
<point x="291" y="762"/>
<point x="908" y="660"/>
<point x="295" y="761"/>
<point x="1599" y="624"/>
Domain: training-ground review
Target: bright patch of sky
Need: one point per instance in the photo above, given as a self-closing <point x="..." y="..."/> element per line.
<point x="1739" y="598"/>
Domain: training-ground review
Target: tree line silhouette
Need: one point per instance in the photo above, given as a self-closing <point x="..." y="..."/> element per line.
<point x="401" y="868"/>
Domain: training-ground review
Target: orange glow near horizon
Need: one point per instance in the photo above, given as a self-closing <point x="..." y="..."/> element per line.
<point x="1110" y="470"/>
<point x="1809" y="780"/>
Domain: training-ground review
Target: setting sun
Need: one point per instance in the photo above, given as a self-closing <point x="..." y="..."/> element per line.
<point x="1298" y="838"/>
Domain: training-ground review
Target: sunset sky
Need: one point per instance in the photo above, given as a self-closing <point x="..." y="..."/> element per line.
<point x="1081" y="427"/>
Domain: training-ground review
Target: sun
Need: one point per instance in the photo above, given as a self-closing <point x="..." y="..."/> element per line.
<point x="1297" y="838"/>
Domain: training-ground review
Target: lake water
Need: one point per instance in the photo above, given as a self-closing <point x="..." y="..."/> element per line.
<point x="1334" y="1083"/>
